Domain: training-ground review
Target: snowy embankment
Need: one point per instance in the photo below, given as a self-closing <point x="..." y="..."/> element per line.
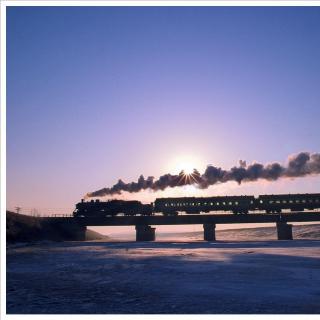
<point x="165" y="277"/>
<point x="306" y="232"/>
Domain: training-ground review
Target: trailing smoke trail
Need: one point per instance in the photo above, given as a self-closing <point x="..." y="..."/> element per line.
<point x="299" y="165"/>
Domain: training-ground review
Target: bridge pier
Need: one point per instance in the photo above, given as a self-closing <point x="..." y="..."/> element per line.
<point x="145" y="233"/>
<point x="209" y="232"/>
<point x="284" y="231"/>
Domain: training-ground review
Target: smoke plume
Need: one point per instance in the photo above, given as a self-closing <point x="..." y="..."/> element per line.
<point x="299" y="165"/>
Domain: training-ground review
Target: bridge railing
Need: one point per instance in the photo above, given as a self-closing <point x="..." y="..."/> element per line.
<point x="59" y="215"/>
<point x="42" y="213"/>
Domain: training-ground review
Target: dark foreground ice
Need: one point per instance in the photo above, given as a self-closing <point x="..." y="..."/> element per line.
<point x="164" y="277"/>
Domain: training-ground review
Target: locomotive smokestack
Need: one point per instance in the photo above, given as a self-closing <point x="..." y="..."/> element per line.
<point x="299" y="165"/>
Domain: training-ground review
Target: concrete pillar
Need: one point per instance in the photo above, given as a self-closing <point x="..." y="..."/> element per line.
<point x="209" y="232"/>
<point x="284" y="231"/>
<point x="145" y="233"/>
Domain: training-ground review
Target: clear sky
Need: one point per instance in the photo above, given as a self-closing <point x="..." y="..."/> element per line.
<point x="102" y="93"/>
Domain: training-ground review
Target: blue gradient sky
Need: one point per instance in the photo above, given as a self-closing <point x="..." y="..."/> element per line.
<point x="102" y="93"/>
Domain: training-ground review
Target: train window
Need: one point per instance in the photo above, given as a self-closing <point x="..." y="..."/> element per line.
<point x="205" y="203"/>
<point x="230" y="203"/>
<point x="297" y="201"/>
<point x="261" y="201"/>
<point x="303" y="201"/>
<point x="236" y="202"/>
<point x="218" y="203"/>
<point x="165" y="204"/>
<point x="290" y="201"/>
<point x="278" y="201"/>
<point x="211" y="203"/>
<point x="271" y="201"/>
<point x="251" y="202"/>
<point x="284" y="201"/>
<point x="199" y="204"/>
<point x="223" y="203"/>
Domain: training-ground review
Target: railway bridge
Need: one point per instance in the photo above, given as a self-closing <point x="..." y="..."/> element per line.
<point x="144" y="231"/>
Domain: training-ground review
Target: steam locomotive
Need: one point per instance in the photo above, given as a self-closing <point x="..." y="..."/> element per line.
<point x="193" y="205"/>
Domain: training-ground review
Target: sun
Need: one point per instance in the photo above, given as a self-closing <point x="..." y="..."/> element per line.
<point x="187" y="164"/>
<point x="187" y="168"/>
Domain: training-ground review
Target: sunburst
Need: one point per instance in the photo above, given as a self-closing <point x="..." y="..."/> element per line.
<point x="187" y="167"/>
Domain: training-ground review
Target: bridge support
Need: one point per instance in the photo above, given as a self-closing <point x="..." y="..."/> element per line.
<point x="145" y="233"/>
<point x="284" y="231"/>
<point x="209" y="232"/>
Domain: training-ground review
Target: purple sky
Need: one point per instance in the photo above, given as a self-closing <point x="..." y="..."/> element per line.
<point x="102" y="93"/>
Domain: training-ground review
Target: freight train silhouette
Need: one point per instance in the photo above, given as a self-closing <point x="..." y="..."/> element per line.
<point x="193" y="205"/>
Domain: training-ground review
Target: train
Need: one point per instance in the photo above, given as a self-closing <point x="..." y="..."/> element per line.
<point x="196" y="205"/>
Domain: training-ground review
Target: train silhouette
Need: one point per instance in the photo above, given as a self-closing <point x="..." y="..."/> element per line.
<point x="195" y="205"/>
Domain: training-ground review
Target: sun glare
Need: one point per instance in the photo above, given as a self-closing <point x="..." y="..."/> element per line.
<point x="187" y="168"/>
<point x="186" y="164"/>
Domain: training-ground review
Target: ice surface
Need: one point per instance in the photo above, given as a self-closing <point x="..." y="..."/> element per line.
<point x="165" y="277"/>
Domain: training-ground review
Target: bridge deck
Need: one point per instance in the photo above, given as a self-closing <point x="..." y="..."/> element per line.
<point x="199" y="219"/>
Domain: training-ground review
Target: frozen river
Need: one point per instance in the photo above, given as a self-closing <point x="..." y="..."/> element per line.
<point x="164" y="277"/>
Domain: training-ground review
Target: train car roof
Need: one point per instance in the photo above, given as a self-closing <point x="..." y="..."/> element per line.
<point x="200" y="198"/>
<point x="291" y="195"/>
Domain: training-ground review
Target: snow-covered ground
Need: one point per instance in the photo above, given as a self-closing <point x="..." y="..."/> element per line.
<point x="165" y="277"/>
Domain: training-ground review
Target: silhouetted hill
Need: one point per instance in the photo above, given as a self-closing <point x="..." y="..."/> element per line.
<point x="23" y="228"/>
